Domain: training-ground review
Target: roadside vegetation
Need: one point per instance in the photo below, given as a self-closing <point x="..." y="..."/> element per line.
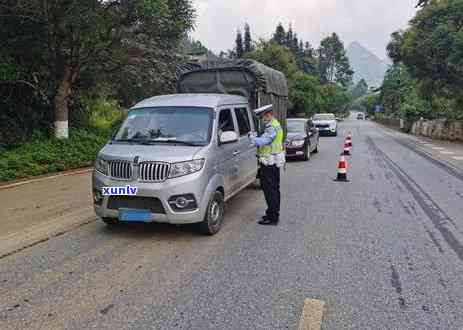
<point x="426" y="78"/>
<point x="81" y="63"/>
<point x="320" y="79"/>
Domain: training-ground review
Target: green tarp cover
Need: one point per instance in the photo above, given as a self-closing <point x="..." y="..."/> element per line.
<point x="240" y="77"/>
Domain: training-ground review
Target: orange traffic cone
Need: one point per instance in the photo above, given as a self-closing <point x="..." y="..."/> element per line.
<point x="342" y="170"/>
<point x="346" y="151"/>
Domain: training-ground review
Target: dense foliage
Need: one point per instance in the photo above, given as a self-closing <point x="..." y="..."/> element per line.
<point x="318" y="78"/>
<point x="54" y="51"/>
<point x="45" y="155"/>
<point x="427" y="77"/>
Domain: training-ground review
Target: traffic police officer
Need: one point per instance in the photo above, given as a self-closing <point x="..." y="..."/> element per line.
<point x="271" y="158"/>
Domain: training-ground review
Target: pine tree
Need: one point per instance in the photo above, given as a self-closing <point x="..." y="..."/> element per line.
<point x="239" y="48"/>
<point x="280" y="35"/>
<point x="295" y="44"/>
<point x="289" y="37"/>
<point x="247" y="39"/>
<point x="308" y="51"/>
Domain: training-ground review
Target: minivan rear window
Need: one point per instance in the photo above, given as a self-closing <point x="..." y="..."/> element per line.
<point x="185" y="125"/>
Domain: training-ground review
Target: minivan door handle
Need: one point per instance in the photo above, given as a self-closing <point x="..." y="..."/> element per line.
<point x="236" y="153"/>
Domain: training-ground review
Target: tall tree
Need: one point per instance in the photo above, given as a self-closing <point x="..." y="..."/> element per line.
<point x="239" y="46"/>
<point x="289" y="38"/>
<point x="247" y="39"/>
<point x="280" y="35"/>
<point x="73" y="37"/>
<point x="432" y="49"/>
<point x="276" y="56"/>
<point x="333" y="62"/>
<point x="394" y="46"/>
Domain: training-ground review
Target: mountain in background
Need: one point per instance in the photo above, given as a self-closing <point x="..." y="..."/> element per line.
<point x="366" y="65"/>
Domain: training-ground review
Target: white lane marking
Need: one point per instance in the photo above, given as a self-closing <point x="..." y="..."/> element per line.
<point x="458" y="158"/>
<point x="447" y="153"/>
<point x="312" y="315"/>
<point x="437" y="148"/>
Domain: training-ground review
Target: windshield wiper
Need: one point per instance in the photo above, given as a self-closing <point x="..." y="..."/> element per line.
<point x="127" y="140"/>
<point x="187" y="143"/>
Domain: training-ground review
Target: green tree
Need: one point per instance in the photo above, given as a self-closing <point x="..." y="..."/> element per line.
<point x="400" y="95"/>
<point x="369" y="102"/>
<point x="305" y="94"/>
<point x="69" y="39"/>
<point x="432" y="51"/>
<point x="239" y="46"/>
<point x="275" y="56"/>
<point x="333" y="63"/>
<point x="247" y="39"/>
<point x="289" y="38"/>
<point x="335" y="98"/>
<point x="394" y="46"/>
<point x="280" y="35"/>
<point x="432" y="48"/>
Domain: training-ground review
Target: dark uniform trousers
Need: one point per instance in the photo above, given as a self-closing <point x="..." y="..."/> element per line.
<point x="270" y="182"/>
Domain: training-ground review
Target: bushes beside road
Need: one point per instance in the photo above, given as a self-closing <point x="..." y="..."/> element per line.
<point x="47" y="155"/>
<point x="43" y="153"/>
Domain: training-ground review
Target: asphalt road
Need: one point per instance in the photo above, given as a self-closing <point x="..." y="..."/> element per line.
<point x="384" y="251"/>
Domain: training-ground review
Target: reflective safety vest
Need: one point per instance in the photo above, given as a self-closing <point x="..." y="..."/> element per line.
<point x="276" y="147"/>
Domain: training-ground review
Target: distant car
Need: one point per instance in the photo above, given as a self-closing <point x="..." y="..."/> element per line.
<point x="326" y="124"/>
<point x="302" y="138"/>
<point x="360" y="116"/>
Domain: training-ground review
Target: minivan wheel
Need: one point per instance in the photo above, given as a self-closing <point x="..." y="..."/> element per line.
<point x="110" y="221"/>
<point x="307" y="153"/>
<point x="214" y="216"/>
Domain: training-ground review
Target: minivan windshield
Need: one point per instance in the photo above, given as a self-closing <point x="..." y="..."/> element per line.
<point x="176" y="125"/>
<point x="324" y="117"/>
<point x="296" y="126"/>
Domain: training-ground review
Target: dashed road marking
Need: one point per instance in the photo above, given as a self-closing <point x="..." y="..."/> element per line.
<point x="312" y="315"/>
<point x="458" y="158"/>
<point x="437" y="148"/>
<point x="447" y="152"/>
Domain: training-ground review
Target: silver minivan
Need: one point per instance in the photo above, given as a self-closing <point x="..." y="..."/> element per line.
<point x="185" y="155"/>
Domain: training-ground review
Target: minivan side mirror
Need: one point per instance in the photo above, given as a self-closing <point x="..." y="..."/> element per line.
<point x="228" y="137"/>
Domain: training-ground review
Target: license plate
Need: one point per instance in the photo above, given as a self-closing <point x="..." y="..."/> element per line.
<point x="131" y="215"/>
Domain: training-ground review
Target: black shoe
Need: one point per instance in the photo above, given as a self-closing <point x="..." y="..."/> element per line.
<point x="268" y="222"/>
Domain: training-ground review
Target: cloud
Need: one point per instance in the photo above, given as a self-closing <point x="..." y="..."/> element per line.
<point x="368" y="21"/>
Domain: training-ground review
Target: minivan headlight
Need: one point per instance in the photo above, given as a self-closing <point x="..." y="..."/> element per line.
<point x="185" y="168"/>
<point x="101" y="166"/>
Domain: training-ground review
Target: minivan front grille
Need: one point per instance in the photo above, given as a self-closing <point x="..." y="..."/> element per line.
<point x="119" y="169"/>
<point x="154" y="171"/>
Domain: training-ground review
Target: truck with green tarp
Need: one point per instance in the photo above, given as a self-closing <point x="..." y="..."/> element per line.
<point x="257" y="82"/>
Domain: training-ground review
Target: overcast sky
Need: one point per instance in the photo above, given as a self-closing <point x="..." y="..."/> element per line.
<point x="368" y="21"/>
